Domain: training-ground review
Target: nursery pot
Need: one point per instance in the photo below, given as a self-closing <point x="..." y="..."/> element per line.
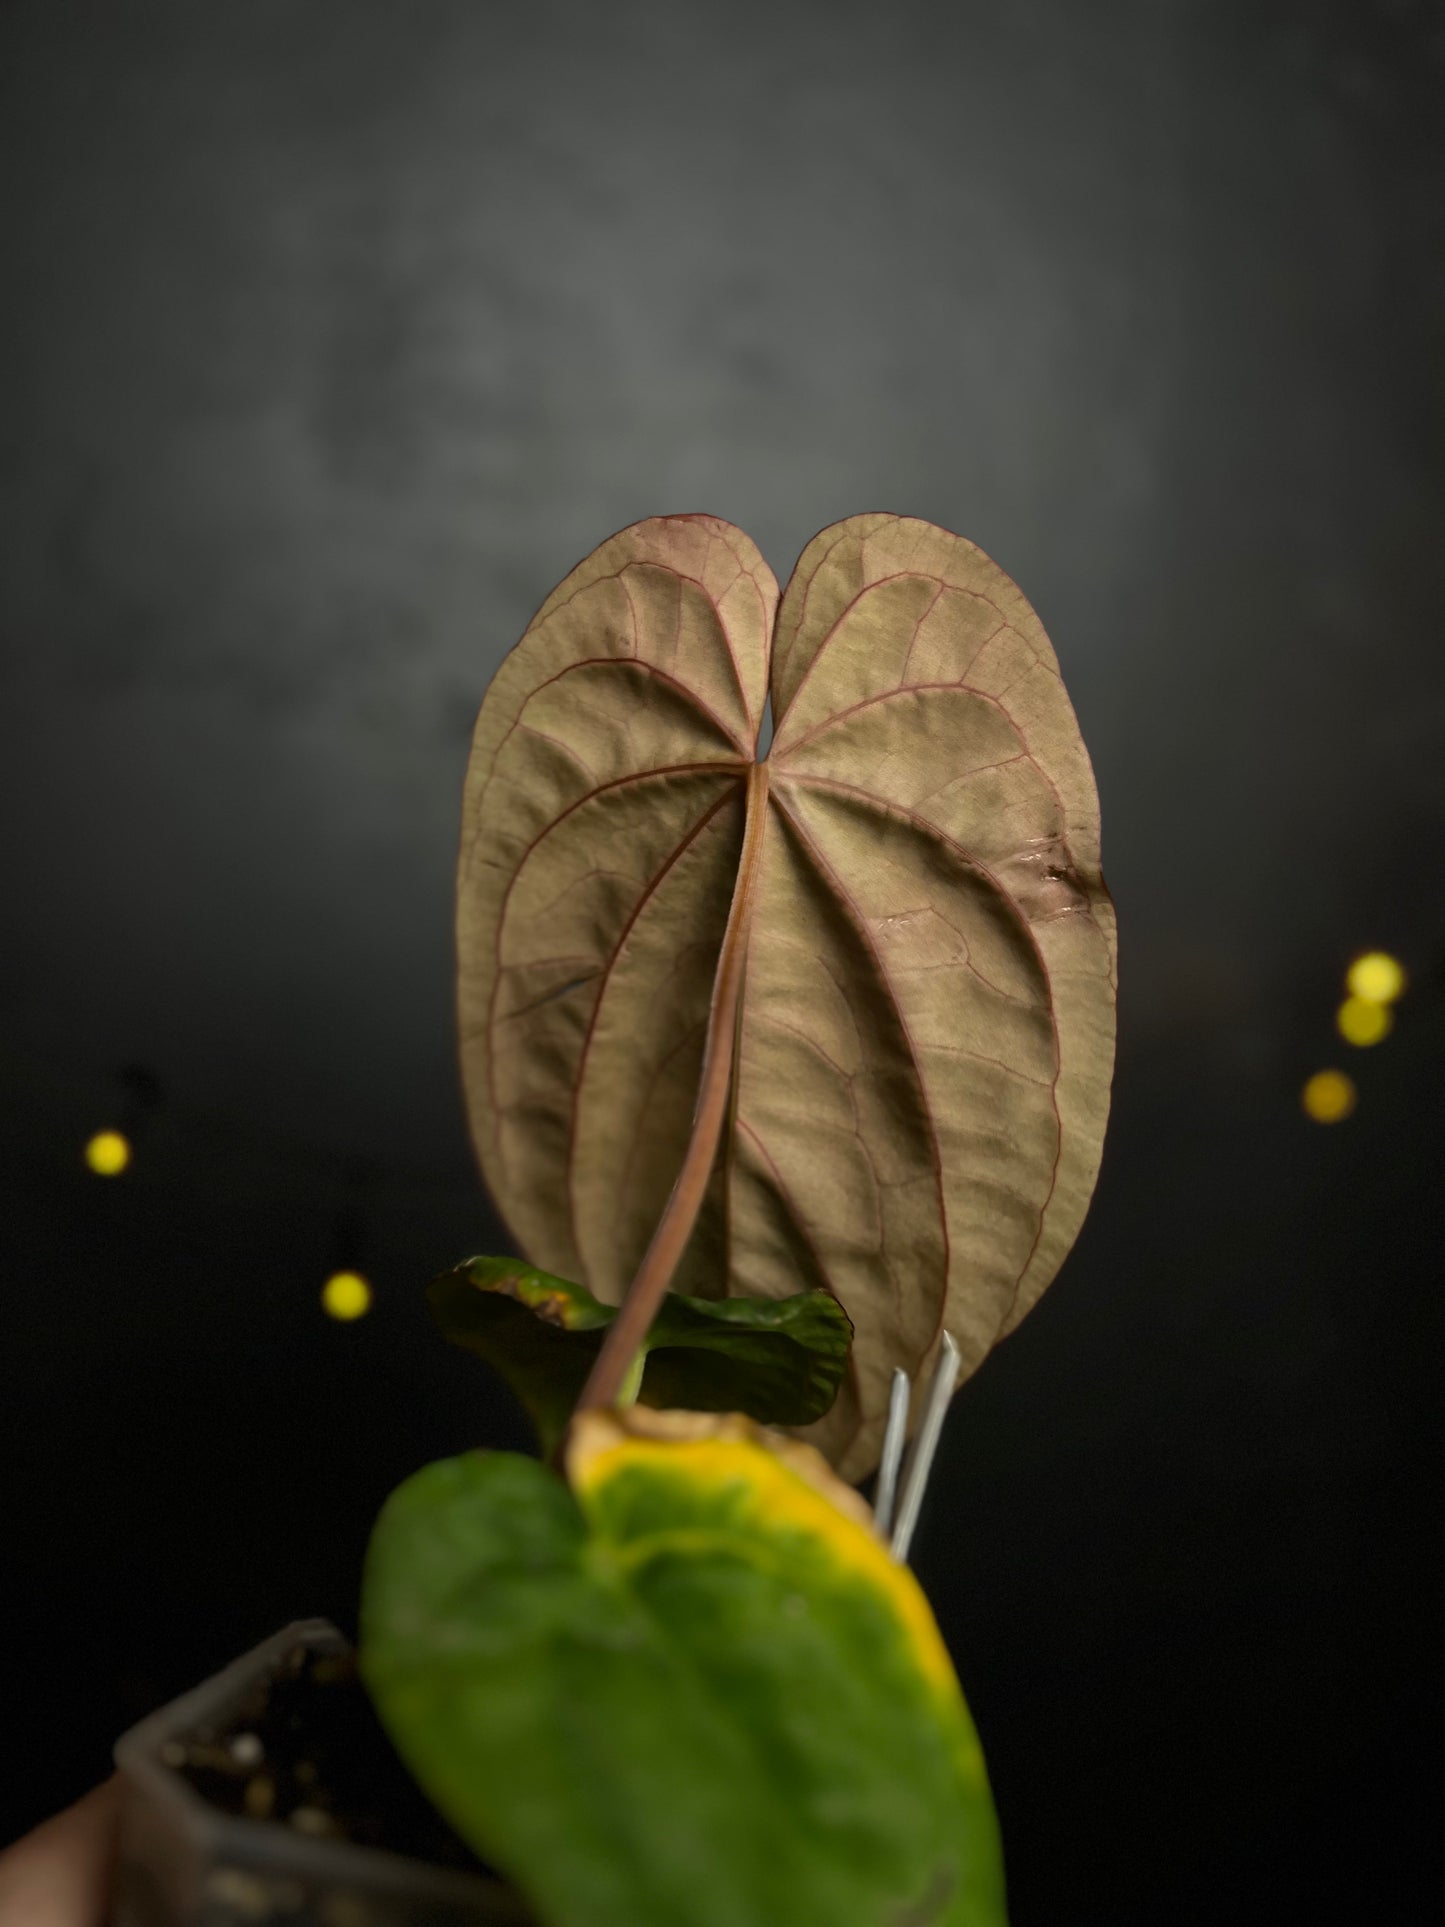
<point x="243" y="1799"/>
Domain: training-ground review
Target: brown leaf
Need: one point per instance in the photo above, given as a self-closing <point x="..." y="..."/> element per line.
<point x="923" y="1039"/>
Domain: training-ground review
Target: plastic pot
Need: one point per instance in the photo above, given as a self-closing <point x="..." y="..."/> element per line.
<point x="184" y="1861"/>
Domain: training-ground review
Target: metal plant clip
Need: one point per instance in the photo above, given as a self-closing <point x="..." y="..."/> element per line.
<point x="892" y="1458"/>
<point x="925" y="1445"/>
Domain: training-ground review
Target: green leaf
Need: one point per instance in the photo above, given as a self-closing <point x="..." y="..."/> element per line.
<point x="780" y="1360"/>
<point x="698" y="1690"/>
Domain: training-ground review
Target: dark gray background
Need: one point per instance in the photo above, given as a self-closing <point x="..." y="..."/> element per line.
<point x="332" y="334"/>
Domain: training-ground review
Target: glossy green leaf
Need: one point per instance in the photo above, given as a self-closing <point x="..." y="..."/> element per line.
<point x="780" y="1360"/>
<point x="695" y="1688"/>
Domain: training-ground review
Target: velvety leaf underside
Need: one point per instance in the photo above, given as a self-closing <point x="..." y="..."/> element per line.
<point x="925" y="1036"/>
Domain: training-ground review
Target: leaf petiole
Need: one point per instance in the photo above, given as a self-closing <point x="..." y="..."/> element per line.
<point x="623" y="1344"/>
<point x="632" y="1384"/>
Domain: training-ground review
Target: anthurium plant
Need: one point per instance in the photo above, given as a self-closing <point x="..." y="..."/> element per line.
<point x="787" y="1069"/>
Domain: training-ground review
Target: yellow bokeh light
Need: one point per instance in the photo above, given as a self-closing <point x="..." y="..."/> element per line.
<point x="346" y="1295"/>
<point x="108" y="1153"/>
<point x="1376" y="978"/>
<point x="1329" y="1096"/>
<point x="1361" y="1022"/>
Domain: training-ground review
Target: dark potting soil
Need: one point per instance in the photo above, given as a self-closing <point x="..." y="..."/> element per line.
<point x="306" y="1750"/>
